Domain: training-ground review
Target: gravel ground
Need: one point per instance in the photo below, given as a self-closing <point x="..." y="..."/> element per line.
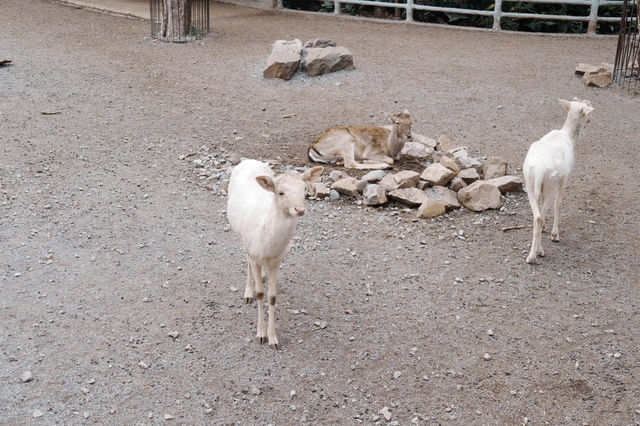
<point x="121" y="285"/>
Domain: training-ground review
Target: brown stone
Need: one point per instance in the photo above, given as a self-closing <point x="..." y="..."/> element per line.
<point x="437" y="174"/>
<point x="507" y="183"/>
<point x="469" y="162"/>
<point x="469" y="175"/>
<point x="325" y="60"/>
<point x="457" y="184"/>
<point x="445" y="195"/>
<point x="346" y="186"/>
<point x="374" y="195"/>
<point x="598" y="79"/>
<point x="431" y="208"/>
<point x="480" y="196"/>
<point x="406" y="179"/>
<point x="494" y="167"/>
<point x="409" y="196"/>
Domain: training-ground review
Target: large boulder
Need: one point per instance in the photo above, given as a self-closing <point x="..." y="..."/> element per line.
<point x="409" y="196"/>
<point x="507" y="183"/>
<point x="446" y="196"/>
<point x="284" y="60"/>
<point x="346" y="186"/>
<point x="431" y="208"/>
<point x="494" y="167"/>
<point x="324" y="60"/>
<point x="600" y="78"/>
<point x="437" y="174"/>
<point x="374" y="195"/>
<point x="417" y="150"/>
<point x="480" y="196"/>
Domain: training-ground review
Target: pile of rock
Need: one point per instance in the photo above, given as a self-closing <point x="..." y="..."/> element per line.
<point x="317" y="56"/>
<point x="451" y="178"/>
<point x="595" y="75"/>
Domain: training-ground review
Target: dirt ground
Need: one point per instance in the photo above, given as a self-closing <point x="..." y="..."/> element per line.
<point x="110" y="240"/>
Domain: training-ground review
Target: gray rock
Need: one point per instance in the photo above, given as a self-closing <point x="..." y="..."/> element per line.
<point x="507" y="183"/>
<point x="445" y="195"/>
<point x="422" y="184"/>
<point x="409" y="196"/>
<point x="361" y="185"/>
<point x="469" y="163"/>
<point x="417" y="150"/>
<point x="431" y="208"/>
<point x="494" y="167"/>
<point x="437" y="174"/>
<point x="374" y="195"/>
<point x="325" y="60"/>
<point x="469" y="175"/>
<point x="337" y="175"/>
<point x="480" y="196"/>
<point x="406" y="179"/>
<point x="334" y="195"/>
<point x="460" y="152"/>
<point x="374" y="176"/>
<point x="319" y="42"/>
<point x="457" y="184"/>
<point x="346" y="186"/>
<point x="320" y="190"/>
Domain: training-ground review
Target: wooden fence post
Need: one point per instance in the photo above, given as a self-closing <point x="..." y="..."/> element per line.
<point x="336" y="7"/>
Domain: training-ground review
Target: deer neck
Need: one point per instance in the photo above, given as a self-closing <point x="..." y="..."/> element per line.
<point x="572" y="126"/>
<point x="394" y="142"/>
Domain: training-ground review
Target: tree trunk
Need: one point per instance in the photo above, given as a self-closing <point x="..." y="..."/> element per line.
<point x="176" y="20"/>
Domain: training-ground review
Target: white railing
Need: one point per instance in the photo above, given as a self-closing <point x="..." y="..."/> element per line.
<point x="497" y="14"/>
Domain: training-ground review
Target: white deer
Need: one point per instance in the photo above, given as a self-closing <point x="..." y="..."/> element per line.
<point x="379" y="145"/>
<point x="546" y="169"/>
<point x="263" y="211"/>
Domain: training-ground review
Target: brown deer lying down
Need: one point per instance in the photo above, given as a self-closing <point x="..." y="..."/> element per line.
<point x="375" y="144"/>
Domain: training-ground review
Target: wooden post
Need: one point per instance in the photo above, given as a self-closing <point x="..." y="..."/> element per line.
<point x="497" y="15"/>
<point x="176" y="20"/>
<point x="336" y="7"/>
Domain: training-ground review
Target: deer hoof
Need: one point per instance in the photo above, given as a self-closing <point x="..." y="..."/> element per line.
<point x="275" y="346"/>
<point x="530" y="259"/>
<point x="262" y="340"/>
<point x="248" y="300"/>
<point x="555" y="238"/>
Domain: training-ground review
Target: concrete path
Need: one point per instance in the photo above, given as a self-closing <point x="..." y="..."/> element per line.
<point x="137" y="8"/>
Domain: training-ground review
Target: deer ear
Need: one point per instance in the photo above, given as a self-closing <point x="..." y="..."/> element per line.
<point x="312" y="175"/>
<point x="565" y="104"/>
<point x="586" y="110"/>
<point x="266" y="183"/>
<point x="406" y="111"/>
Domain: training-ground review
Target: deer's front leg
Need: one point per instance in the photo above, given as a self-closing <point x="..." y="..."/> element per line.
<point x="272" y="275"/>
<point x="248" y="289"/>
<point x="257" y="279"/>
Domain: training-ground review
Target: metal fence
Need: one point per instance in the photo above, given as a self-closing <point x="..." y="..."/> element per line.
<point x="497" y="14"/>
<point x="626" y="71"/>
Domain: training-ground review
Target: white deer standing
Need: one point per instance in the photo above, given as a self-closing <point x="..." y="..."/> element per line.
<point x="263" y="210"/>
<point x="546" y="170"/>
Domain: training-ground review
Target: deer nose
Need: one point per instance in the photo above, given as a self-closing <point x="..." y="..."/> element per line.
<point x="409" y="136"/>
<point x="299" y="211"/>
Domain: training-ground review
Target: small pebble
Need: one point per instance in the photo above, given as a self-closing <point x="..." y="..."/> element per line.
<point x="168" y="417"/>
<point x="26" y="376"/>
<point x="37" y="413"/>
<point x="486" y="356"/>
<point x="397" y="374"/>
<point x="143" y="365"/>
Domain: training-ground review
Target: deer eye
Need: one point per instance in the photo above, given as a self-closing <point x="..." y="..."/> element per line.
<point x="281" y="194"/>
